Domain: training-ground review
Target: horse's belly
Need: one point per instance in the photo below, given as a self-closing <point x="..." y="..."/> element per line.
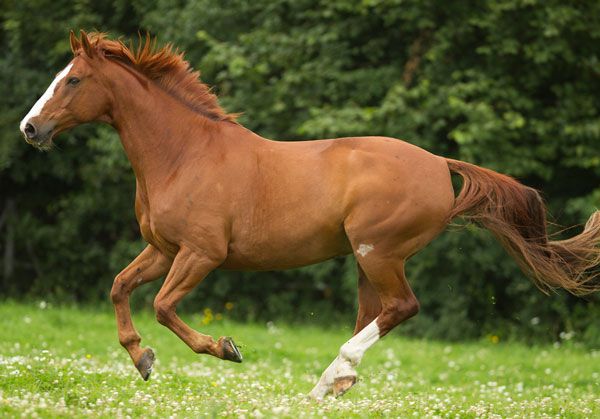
<point x="281" y="252"/>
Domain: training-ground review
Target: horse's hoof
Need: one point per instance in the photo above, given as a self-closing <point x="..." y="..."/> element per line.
<point x="230" y="351"/>
<point x="144" y="365"/>
<point x="343" y="384"/>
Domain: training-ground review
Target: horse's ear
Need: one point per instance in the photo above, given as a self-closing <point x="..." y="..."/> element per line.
<point x="75" y="44"/>
<point x="86" y="45"/>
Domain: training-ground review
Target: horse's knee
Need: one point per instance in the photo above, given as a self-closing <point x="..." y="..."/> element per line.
<point x="405" y="309"/>
<point x="410" y="308"/>
<point x="397" y="312"/>
<point x="118" y="292"/>
<point x="163" y="311"/>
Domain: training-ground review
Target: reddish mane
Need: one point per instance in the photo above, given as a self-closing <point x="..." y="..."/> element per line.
<point x="165" y="66"/>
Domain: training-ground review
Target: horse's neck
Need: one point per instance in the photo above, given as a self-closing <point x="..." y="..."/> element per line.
<point x="157" y="131"/>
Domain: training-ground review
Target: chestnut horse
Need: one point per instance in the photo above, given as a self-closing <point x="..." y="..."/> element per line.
<point x="212" y="194"/>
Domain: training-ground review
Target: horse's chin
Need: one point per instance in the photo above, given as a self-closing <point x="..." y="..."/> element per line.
<point x="43" y="144"/>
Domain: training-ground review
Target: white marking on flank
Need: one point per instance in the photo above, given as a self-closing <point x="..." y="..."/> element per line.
<point x="363" y="249"/>
<point x="39" y="105"/>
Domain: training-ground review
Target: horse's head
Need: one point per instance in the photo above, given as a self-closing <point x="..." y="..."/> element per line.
<point x="77" y="95"/>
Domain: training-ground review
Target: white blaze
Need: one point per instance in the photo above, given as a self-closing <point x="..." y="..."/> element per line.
<point x="39" y="105"/>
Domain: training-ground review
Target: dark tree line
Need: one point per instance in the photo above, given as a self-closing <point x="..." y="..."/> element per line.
<point x="510" y="85"/>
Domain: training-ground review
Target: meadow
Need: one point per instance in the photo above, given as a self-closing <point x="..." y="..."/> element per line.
<point x="67" y="362"/>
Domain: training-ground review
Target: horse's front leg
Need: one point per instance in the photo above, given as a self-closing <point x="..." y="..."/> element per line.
<point x="148" y="266"/>
<point x="188" y="270"/>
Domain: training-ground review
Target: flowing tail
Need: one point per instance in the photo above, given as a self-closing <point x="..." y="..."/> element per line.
<point x="516" y="215"/>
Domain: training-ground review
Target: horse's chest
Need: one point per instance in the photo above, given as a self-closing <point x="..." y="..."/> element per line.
<point x="154" y="230"/>
<point x="146" y="228"/>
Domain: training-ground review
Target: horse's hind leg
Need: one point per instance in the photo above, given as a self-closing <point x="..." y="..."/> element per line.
<point x="148" y="266"/>
<point x="398" y="303"/>
<point x="369" y="308"/>
<point x="369" y="305"/>
<point x="188" y="270"/>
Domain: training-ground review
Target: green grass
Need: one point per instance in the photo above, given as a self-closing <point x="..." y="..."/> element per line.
<point x="67" y="362"/>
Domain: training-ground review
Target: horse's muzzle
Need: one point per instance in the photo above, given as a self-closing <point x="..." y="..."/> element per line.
<point x="38" y="135"/>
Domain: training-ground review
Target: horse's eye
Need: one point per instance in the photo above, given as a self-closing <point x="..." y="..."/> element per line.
<point x="73" y="81"/>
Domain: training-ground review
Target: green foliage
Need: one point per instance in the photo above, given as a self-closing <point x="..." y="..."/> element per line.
<point x="512" y="85"/>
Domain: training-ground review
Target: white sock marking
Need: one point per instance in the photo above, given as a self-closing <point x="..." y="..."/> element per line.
<point x="350" y="355"/>
<point x="355" y="348"/>
<point x="39" y="105"/>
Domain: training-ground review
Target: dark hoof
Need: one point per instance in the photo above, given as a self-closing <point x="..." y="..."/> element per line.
<point x="144" y="365"/>
<point x="343" y="384"/>
<point x="230" y="351"/>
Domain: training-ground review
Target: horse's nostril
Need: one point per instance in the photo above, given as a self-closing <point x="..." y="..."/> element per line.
<point x="30" y="131"/>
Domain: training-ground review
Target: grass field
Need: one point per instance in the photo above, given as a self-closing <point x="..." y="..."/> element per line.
<point x="67" y="362"/>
